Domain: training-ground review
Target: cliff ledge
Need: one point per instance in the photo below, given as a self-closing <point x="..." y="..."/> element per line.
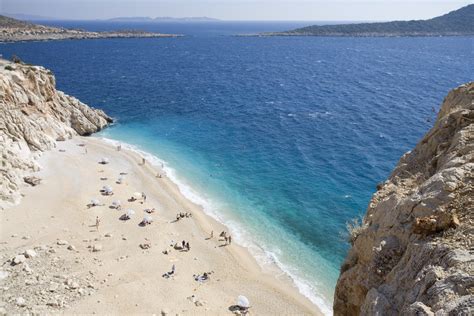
<point x="413" y="253"/>
<point x="33" y="117"/>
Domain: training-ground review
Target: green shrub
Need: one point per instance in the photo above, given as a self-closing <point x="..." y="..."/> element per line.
<point x="354" y="228"/>
<point x="16" y="59"/>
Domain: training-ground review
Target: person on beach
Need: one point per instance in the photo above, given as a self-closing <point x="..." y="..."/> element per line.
<point x="143" y="161"/>
<point x="97" y="223"/>
<point x="187" y="246"/>
<point x="229" y="239"/>
<point x="119" y="147"/>
<point x="167" y="275"/>
<point x="212" y="234"/>
<point x="183" y="244"/>
<point x="144" y="197"/>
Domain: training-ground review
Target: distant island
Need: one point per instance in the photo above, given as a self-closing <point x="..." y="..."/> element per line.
<point x="13" y="30"/>
<point x="455" y="23"/>
<point x="162" y="19"/>
<point x="30" y="17"/>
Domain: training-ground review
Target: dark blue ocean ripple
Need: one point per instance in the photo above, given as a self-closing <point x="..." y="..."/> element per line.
<point x="303" y="128"/>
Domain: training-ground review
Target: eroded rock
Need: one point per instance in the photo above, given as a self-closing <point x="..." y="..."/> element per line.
<point x="33" y="116"/>
<point x="412" y="255"/>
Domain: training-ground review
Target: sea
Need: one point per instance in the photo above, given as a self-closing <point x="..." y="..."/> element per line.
<point x="283" y="139"/>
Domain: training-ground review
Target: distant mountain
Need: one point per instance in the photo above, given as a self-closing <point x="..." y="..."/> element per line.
<point x="161" y="19"/>
<point x="28" y="17"/>
<point x="455" y="23"/>
<point x="7" y="22"/>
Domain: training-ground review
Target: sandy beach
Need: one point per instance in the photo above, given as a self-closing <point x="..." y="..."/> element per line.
<point x="86" y="270"/>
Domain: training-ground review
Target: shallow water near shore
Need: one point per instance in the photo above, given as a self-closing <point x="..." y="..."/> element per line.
<point x="282" y="139"/>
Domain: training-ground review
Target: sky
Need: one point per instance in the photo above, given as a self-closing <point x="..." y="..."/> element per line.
<point x="305" y="10"/>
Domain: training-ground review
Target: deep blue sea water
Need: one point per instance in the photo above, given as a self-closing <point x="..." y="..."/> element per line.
<point x="283" y="139"/>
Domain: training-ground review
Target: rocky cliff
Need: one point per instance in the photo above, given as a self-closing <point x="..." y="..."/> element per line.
<point x="33" y="117"/>
<point x="414" y="253"/>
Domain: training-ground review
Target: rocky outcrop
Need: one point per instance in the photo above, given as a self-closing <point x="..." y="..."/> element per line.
<point x="33" y="116"/>
<point x="413" y="253"/>
<point x="12" y="30"/>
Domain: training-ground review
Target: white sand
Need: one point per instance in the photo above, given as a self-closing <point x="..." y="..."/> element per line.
<point x="56" y="209"/>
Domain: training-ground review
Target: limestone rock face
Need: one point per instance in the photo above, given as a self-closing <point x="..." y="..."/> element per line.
<point x="33" y="116"/>
<point x="413" y="254"/>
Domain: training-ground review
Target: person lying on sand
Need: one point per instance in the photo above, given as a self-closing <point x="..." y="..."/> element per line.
<point x="150" y="210"/>
<point x="167" y="275"/>
<point x="93" y="203"/>
<point x="146" y="221"/>
<point x="145" y="246"/>
<point x="202" y="278"/>
<point x="107" y="190"/>
<point x="184" y="246"/>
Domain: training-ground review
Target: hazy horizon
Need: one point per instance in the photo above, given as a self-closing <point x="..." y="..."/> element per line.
<point x="234" y="10"/>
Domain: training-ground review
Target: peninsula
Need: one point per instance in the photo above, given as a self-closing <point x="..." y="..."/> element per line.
<point x="12" y="30"/>
<point x="455" y="23"/>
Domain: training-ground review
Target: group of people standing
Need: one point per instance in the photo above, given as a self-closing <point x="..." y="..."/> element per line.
<point x="227" y="238"/>
<point x="181" y="215"/>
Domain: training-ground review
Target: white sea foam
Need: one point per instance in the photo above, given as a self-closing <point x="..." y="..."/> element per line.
<point x="240" y="234"/>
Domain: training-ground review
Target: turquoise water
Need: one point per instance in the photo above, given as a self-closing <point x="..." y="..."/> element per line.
<point x="283" y="139"/>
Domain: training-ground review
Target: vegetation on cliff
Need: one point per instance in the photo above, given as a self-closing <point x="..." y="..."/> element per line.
<point x="459" y="22"/>
<point x="412" y="255"/>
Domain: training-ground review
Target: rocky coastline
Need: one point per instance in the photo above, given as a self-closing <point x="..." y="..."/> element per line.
<point x="412" y="253"/>
<point x="454" y="23"/>
<point x="69" y="247"/>
<point x="33" y="117"/>
<point x="12" y="30"/>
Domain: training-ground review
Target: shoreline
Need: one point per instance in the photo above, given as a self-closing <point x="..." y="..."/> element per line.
<point x="97" y="36"/>
<point x="269" y="262"/>
<point x="237" y="270"/>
